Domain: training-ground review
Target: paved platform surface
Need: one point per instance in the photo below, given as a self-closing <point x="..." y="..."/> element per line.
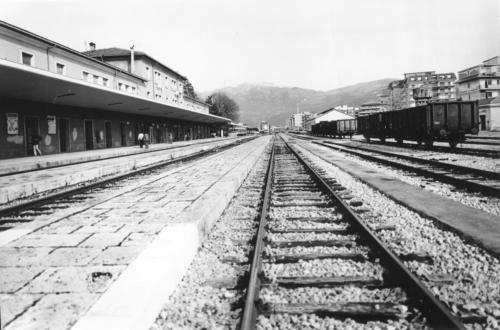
<point x="27" y="184"/>
<point x="480" y="227"/>
<point x="21" y="164"/>
<point x="113" y="264"/>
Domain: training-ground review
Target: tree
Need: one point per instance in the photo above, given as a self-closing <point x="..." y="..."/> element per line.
<point x="189" y="90"/>
<point x="222" y="105"/>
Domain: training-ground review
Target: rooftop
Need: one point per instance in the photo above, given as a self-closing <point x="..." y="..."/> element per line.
<point x="54" y="44"/>
<point x="489" y="100"/>
<point x="115" y="52"/>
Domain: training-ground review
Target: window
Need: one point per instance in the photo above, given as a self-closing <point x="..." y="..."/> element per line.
<point x="157" y="76"/>
<point x="133" y="89"/>
<point x="488" y="95"/>
<point x="148" y="73"/>
<point x="498" y="81"/>
<point x="60" y="68"/>
<point x="468" y="85"/>
<point x="149" y="94"/>
<point x="412" y="79"/>
<point x="419" y="78"/>
<point x="95" y="79"/>
<point x="86" y="76"/>
<point x="27" y="59"/>
<point x="105" y="82"/>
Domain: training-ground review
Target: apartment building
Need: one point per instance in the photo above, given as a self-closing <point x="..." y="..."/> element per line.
<point x="481" y="81"/>
<point x="419" y="88"/>
<point x="77" y="102"/>
<point x="369" y="108"/>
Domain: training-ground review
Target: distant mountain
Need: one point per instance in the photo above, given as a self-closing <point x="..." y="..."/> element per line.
<point x="275" y="104"/>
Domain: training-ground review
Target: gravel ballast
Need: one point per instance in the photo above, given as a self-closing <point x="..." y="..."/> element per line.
<point x="463" y="276"/>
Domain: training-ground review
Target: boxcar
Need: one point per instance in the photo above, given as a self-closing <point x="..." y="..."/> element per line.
<point x="373" y="126"/>
<point x="443" y="121"/>
<point x="335" y="128"/>
<point x="346" y="127"/>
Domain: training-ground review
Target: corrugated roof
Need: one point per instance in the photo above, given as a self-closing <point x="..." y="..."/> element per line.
<point x="121" y="52"/>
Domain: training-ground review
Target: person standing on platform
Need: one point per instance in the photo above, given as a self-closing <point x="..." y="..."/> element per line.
<point x="35" y="140"/>
<point x="140" y="138"/>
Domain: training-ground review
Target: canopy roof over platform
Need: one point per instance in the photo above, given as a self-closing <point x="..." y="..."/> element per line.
<point x="24" y="82"/>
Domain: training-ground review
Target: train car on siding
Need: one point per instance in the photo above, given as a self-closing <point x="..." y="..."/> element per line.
<point x="443" y="121"/>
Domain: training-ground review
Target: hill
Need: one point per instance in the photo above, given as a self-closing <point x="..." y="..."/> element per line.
<point x="275" y="104"/>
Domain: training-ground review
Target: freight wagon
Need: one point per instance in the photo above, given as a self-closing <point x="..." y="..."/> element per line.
<point x="340" y="128"/>
<point x="443" y="121"/>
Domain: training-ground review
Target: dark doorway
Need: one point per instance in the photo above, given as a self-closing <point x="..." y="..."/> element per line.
<point x="136" y="133"/>
<point x="63" y="135"/>
<point x="89" y="136"/>
<point x="109" y="139"/>
<point x="123" y="134"/>
<point x="31" y="128"/>
<point x="482" y="118"/>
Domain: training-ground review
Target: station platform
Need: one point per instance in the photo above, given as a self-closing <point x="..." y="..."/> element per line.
<point x="113" y="265"/>
<point x="475" y="225"/>
<point x="23" y="164"/>
<point x="29" y="176"/>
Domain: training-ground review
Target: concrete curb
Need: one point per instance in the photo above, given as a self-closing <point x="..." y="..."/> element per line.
<point x="133" y="302"/>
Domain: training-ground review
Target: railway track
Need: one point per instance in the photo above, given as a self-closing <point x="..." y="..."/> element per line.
<point x="477" y="180"/>
<point x="28" y="210"/>
<point x="463" y="151"/>
<point x="314" y="256"/>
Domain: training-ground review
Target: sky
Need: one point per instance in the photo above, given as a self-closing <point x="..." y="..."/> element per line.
<point x="315" y="44"/>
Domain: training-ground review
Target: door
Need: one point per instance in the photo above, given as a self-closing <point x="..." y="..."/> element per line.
<point x="150" y="134"/>
<point x="482" y="118"/>
<point x="30" y="129"/>
<point x="136" y="133"/>
<point x="123" y="134"/>
<point x="89" y="137"/>
<point x="63" y="135"/>
<point x="109" y="139"/>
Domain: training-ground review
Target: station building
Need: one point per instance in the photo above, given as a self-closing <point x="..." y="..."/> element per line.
<point x="78" y="101"/>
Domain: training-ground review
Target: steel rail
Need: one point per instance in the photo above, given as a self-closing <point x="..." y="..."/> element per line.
<point x="487" y="189"/>
<point x="37" y="201"/>
<point x="460" y="151"/>
<point x="439" y="315"/>
<point x="250" y="310"/>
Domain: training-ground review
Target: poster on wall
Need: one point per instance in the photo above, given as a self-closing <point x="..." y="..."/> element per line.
<point x="12" y="124"/>
<point x="51" y="121"/>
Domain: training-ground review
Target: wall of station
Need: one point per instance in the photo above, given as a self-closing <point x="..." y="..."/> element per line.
<point x="69" y="129"/>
